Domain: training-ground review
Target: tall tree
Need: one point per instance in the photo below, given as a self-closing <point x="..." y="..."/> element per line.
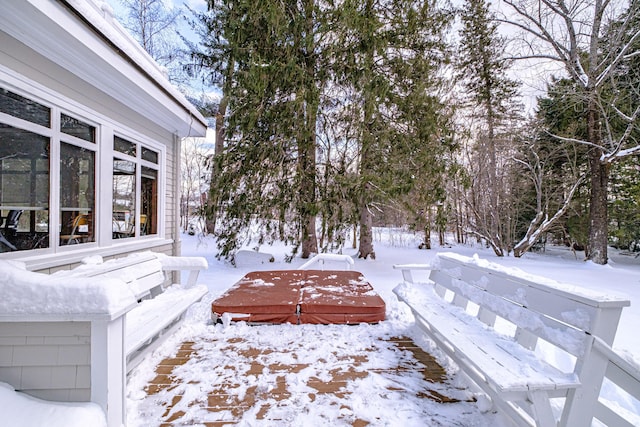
<point x="212" y="59"/>
<point x="491" y="100"/>
<point x="271" y="86"/>
<point x="388" y="58"/>
<point x="578" y="36"/>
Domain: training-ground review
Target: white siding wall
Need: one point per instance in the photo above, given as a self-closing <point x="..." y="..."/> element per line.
<point x="47" y="360"/>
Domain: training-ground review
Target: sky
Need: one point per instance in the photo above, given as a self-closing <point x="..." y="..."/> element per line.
<point x="533" y="75"/>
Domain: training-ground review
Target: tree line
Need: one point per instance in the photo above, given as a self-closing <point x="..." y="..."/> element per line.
<point x="336" y="116"/>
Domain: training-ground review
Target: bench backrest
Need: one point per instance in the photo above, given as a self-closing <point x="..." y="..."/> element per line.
<point x="538" y="308"/>
<point x="142" y="272"/>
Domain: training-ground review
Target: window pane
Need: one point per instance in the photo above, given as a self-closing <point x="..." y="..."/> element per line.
<point x="75" y="127"/>
<point x="149" y="155"/>
<point x="24" y="189"/>
<point x="124" y="146"/>
<point x="149" y="216"/>
<point x="77" y="194"/>
<point x="124" y="198"/>
<point x="23" y="108"/>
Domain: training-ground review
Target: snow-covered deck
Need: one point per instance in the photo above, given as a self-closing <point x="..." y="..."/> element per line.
<point x="276" y="383"/>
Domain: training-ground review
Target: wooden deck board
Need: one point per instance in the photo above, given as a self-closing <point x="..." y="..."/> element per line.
<point x="225" y="406"/>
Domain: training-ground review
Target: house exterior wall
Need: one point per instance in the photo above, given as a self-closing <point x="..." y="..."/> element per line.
<point x="97" y="96"/>
<point x="47" y="360"/>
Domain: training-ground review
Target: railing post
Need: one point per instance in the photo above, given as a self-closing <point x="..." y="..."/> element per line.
<point x="108" y="370"/>
<point x="580" y="405"/>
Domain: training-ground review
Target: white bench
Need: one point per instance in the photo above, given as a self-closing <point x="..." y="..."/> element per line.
<point x="469" y="304"/>
<point x="161" y="304"/>
<point x="90" y="326"/>
<point x="322" y="259"/>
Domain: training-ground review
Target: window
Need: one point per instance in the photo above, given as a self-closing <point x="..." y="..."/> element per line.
<point x="49" y="178"/>
<point x="135" y="206"/>
<point x="77" y="194"/>
<point x="24" y="189"/>
<point x="75" y="127"/>
<point x="25" y="109"/>
<point x="149" y="217"/>
<point x="124" y="198"/>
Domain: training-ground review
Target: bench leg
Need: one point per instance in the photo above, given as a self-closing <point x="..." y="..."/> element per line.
<point x="542" y="409"/>
<point x="407" y="276"/>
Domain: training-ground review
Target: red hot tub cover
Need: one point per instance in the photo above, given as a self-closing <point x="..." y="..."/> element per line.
<point x="302" y="296"/>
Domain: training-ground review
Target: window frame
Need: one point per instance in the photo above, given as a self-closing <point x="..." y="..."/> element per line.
<point x="140" y="163"/>
<point x="105" y="130"/>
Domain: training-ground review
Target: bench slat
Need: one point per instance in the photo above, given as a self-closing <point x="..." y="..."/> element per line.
<point x="152" y="316"/>
<point x="552" y="330"/>
<point x="504" y="363"/>
<point x="541" y="300"/>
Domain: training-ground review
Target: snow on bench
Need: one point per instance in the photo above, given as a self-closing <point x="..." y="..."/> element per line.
<point x="464" y="310"/>
<point x="322" y="259"/>
<point x="97" y="321"/>
<point x="159" y="310"/>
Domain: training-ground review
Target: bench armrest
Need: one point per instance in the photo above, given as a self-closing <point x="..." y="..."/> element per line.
<point x="407" y="268"/>
<point x="181" y="263"/>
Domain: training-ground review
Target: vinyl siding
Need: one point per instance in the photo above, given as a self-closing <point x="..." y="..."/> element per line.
<point x="47" y="360"/>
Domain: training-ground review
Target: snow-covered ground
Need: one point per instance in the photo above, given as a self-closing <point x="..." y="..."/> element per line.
<point x="620" y="277"/>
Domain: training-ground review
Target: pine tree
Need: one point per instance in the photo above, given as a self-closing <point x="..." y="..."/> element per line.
<point x="491" y="98"/>
<point x="388" y="59"/>
<point x="266" y="173"/>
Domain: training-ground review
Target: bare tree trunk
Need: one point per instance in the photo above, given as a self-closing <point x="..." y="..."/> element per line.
<point x="367" y="141"/>
<point x="307" y="160"/>
<point x="365" y="248"/>
<point x="596" y="249"/>
<point x="307" y="146"/>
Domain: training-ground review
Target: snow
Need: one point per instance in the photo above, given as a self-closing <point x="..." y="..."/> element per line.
<point x="24" y="293"/>
<point x="19" y="409"/>
<point x="322" y="346"/>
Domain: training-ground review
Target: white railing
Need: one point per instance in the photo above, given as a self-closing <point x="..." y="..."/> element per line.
<point x="623" y="380"/>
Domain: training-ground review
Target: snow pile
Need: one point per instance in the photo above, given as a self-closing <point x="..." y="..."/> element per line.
<point x="24" y="292"/>
<point x="516" y="272"/>
<point x="21" y="410"/>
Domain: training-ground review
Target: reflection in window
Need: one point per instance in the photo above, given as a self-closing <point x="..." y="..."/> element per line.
<point x="25" y="109"/>
<point x="149" y="216"/>
<point x="149" y="155"/>
<point x="124" y="198"/>
<point x="77" y="194"/>
<point x="124" y="146"/>
<point x="24" y="189"/>
<point x="75" y="127"/>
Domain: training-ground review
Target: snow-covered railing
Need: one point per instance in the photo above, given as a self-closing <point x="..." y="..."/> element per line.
<point x="323" y="259"/>
<point x="623" y="376"/>
<point x="507" y="331"/>
<point x="73" y="335"/>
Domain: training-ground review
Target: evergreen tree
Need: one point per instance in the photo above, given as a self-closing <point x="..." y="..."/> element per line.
<point x="266" y="172"/>
<point x="492" y="102"/>
<point x="387" y="59"/>
<point x="355" y="83"/>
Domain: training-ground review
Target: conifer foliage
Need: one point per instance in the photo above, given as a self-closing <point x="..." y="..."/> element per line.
<point x="353" y="81"/>
<point x="491" y="97"/>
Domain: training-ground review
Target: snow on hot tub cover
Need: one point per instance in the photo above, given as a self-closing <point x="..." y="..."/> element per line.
<point x="301" y="296"/>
